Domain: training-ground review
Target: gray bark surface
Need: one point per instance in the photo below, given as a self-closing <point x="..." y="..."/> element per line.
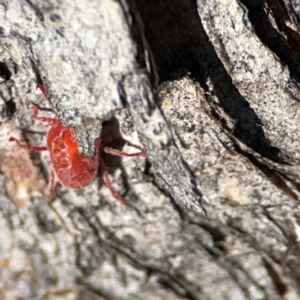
<point x="223" y="122"/>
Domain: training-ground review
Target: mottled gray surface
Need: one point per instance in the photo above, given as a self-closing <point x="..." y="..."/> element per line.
<point x="266" y="84"/>
<point x="170" y="171"/>
<point x="88" y="61"/>
<point x="234" y="130"/>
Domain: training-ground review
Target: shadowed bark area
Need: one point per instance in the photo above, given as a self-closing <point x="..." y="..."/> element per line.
<point x="228" y="90"/>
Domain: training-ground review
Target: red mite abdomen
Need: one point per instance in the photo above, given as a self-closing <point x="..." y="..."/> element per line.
<point x="71" y="168"/>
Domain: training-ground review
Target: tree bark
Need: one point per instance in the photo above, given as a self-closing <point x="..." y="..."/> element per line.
<point x="228" y="90"/>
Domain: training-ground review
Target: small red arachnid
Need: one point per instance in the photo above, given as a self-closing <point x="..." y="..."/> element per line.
<point x="69" y="167"/>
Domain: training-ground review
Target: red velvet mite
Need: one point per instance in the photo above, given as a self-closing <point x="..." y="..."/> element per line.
<point x="69" y="167"/>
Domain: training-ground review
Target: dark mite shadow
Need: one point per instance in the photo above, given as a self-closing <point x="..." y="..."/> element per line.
<point x="177" y="39"/>
<point x="6" y="75"/>
<point x="112" y="137"/>
<point x="4" y="71"/>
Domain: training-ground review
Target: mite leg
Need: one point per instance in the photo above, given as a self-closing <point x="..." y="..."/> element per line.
<point x="108" y="181"/>
<point x="39" y="80"/>
<point x="122" y="153"/>
<point x="43" y="89"/>
<point x="99" y="160"/>
<point x="28" y="147"/>
<point x="43" y="119"/>
<point x="53" y="183"/>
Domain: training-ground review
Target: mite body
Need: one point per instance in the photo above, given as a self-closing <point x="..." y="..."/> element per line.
<point x="69" y="167"/>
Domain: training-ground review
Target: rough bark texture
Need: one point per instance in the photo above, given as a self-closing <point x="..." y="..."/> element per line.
<point x="229" y="85"/>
